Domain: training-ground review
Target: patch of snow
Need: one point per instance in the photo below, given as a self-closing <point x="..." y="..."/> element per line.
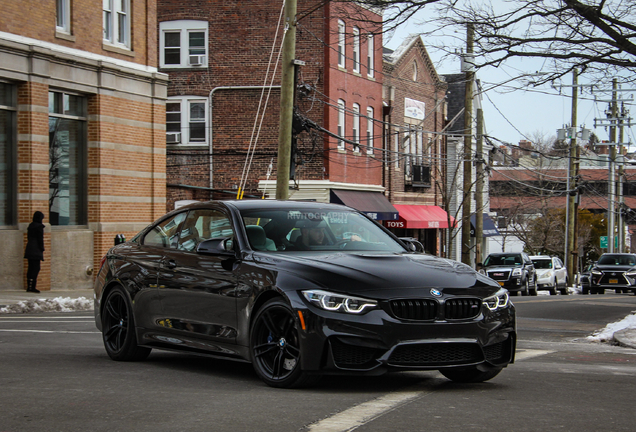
<point x="57" y="304"/>
<point x="607" y="334"/>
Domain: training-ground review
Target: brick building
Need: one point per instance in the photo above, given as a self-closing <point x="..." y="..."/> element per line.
<point x="415" y="115"/>
<point x="218" y="54"/>
<point x="82" y="132"/>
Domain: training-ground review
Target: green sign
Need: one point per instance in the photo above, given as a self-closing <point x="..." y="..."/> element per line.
<point x="604" y="242"/>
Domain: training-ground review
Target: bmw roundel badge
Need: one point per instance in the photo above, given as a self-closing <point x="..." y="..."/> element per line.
<point x="436" y="292"/>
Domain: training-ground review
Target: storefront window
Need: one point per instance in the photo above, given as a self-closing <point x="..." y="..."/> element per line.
<point x="67" y="159"/>
<point x="7" y="155"/>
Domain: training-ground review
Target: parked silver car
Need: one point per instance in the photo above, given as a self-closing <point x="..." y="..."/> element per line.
<point x="551" y="274"/>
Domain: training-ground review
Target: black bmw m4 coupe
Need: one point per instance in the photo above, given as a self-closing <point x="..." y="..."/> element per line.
<point x="299" y="289"/>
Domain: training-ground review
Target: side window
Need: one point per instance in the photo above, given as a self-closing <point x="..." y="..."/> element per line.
<point x="183" y="44"/>
<point x="166" y="233"/>
<point x="203" y="224"/>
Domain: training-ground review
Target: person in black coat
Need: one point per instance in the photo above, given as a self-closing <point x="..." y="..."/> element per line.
<point x="34" y="251"/>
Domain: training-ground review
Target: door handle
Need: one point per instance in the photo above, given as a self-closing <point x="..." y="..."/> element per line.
<point x="170" y="264"/>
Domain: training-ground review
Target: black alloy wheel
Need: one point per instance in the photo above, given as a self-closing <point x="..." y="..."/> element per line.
<point x="118" y="328"/>
<point x="275" y="347"/>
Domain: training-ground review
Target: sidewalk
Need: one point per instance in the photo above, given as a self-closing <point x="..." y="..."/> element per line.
<point x="10" y="297"/>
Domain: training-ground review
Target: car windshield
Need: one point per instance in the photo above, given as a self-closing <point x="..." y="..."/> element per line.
<point x="284" y="230"/>
<point x="617" y="260"/>
<point x="503" y="260"/>
<point x="542" y="264"/>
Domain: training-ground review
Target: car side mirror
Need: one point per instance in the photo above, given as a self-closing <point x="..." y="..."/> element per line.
<point x="217" y="246"/>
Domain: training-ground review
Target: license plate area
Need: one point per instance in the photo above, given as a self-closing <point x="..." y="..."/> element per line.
<point x="613" y="281"/>
<point x="501" y="283"/>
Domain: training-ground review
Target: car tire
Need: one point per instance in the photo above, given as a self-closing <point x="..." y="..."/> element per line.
<point x="118" y="328"/>
<point x="275" y="347"/>
<point x="553" y="288"/>
<point x="472" y="375"/>
<point x="585" y="290"/>
<point x="564" y="290"/>
<point x="526" y="289"/>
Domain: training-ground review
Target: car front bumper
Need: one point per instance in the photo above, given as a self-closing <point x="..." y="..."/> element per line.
<point x="376" y="342"/>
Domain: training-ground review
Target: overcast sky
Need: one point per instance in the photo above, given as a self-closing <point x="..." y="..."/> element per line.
<point x="512" y="115"/>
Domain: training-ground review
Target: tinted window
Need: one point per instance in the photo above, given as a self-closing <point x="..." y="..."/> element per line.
<point x="203" y="224"/>
<point x="165" y="234"/>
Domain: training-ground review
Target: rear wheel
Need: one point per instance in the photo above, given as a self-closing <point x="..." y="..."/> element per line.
<point x="118" y="328"/>
<point x="564" y="290"/>
<point x="472" y="375"/>
<point x="275" y="347"/>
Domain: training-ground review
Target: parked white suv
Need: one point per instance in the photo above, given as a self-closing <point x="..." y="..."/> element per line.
<point x="551" y="274"/>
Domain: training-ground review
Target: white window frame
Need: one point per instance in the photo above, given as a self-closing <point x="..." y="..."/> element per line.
<point x="356" y="50"/>
<point x="117" y="18"/>
<point x="341" y="123"/>
<point x="356" y="127"/>
<point x="341" y="44"/>
<point x="63" y="16"/>
<point x="370" y="55"/>
<point x="184" y="28"/>
<point x="185" y="102"/>
<point x="370" y="121"/>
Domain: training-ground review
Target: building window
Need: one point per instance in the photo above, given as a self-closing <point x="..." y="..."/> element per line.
<point x="117" y="22"/>
<point x="356" y="127"/>
<point x="370" y="55"/>
<point x="8" y="174"/>
<point x="63" y="16"/>
<point x="414" y="71"/>
<point x="341" y="43"/>
<point x="356" y="50"/>
<point x="369" y="130"/>
<point x="186" y="120"/>
<point x="67" y="159"/>
<point x="183" y="44"/>
<point x="341" y="123"/>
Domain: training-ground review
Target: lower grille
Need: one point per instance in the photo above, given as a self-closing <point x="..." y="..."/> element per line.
<point x="436" y="354"/>
<point x="414" y="309"/>
<point x="465" y="308"/>
<point x="351" y="356"/>
<point x="499" y="352"/>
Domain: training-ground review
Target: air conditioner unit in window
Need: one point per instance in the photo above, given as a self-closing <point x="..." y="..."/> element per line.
<point x="173" y="137"/>
<point x="197" y="60"/>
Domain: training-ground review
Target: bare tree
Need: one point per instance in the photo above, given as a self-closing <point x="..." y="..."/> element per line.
<point x="595" y="36"/>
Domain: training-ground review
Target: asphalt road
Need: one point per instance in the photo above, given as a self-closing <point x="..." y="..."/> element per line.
<point x="56" y="376"/>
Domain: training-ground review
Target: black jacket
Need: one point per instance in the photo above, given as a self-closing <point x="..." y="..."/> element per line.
<point x="35" y="238"/>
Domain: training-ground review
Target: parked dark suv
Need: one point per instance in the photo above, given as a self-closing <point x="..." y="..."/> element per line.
<point x="513" y="270"/>
<point x="615" y="271"/>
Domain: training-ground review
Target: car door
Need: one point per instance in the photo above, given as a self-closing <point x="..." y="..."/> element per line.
<point x="198" y="291"/>
<point x="560" y="272"/>
<point x="143" y="266"/>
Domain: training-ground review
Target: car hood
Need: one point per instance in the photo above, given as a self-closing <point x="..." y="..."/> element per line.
<point x="379" y="275"/>
<point x="611" y="267"/>
<point x="541" y="272"/>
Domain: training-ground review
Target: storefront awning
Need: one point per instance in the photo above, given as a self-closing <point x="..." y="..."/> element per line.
<point x="420" y="217"/>
<point x="490" y="230"/>
<point x="373" y="204"/>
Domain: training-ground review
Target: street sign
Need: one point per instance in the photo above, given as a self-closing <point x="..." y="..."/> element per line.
<point x="603" y="242"/>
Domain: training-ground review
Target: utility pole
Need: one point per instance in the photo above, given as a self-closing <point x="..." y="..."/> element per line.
<point x="468" y="129"/>
<point x="286" y="102"/>
<point x="572" y="208"/>
<point x="611" y="229"/>
<point x="479" y="188"/>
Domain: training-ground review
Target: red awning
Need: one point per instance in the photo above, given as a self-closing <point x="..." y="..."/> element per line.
<point x="421" y="217"/>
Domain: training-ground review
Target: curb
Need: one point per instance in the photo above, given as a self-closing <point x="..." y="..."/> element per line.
<point x="626" y="338"/>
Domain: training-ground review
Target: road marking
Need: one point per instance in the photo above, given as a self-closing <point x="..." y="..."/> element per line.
<point x="49" y="331"/>
<point x="359" y="415"/>
<point x="525" y="354"/>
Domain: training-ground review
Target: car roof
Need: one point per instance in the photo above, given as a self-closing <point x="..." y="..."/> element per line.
<point x="250" y="204"/>
<point x="541" y="257"/>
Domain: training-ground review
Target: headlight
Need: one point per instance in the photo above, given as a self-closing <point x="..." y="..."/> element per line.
<point x="596" y="272"/>
<point x="498" y="301"/>
<point x="338" y="302"/>
<point x="516" y="272"/>
<point x="631" y="273"/>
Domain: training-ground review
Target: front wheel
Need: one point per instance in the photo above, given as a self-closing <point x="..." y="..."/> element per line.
<point x="275" y="347"/>
<point x="118" y="328"/>
<point x="564" y="290"/>
<point x="526" y="289"/>
<point x="471" y="375"/>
